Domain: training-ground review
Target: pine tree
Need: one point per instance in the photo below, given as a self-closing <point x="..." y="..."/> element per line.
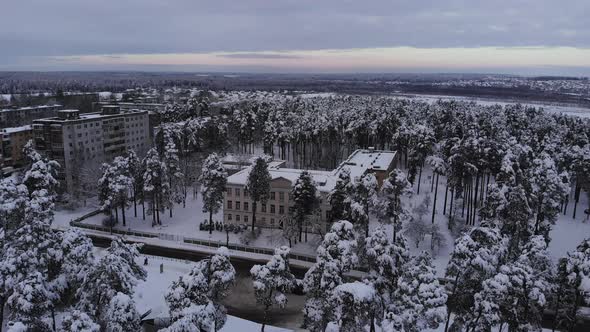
<point x="136" y="173"/>
<point x="155" y="183"/>
<point x="354" y="304"/>
<point x="78" y="321"/>
<point x="258" y="185"/>
<point x="335" y="256"/>
<point x="476" y="257"/>
<point x="388" y="206"/>
<point x="121" y="315"/>
<point x="204" y="287"/>
<point x="213" y="179"/>
<point x="305" y="200"/>
<point x="385" y="261"/>
<point x="272" y="281"/>
<point x="419" y="299"/>
<point x="572" y="286"/>
<point x="175" y="176"/>
<point x="339" y="197"/>
<point x="116" y="272"/>
<point x="30" y="301"/>
<point x="364" y="194"/>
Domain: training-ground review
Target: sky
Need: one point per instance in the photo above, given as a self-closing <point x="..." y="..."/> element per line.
<point x="298" y="36"/>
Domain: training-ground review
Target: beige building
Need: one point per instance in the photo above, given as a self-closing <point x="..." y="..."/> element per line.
<point x="237" y="207"/>
<point x="85" y="141"/>
<point x="12" y="142"/>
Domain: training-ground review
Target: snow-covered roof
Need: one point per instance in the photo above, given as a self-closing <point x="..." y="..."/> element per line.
<point x="359" y="162"/>
<point x="12" y="130"/>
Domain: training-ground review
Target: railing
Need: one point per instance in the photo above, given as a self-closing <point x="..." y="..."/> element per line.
<point x="178" y="238"/>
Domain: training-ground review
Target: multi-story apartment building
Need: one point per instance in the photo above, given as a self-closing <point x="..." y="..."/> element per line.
<point x="13" y="117"/>
<point x="12" y="142"/>
<point x="237" y="207"/>
<point x="78" y="141"/>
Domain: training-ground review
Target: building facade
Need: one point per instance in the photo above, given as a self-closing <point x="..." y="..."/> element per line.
<point x="14" y="117"/>
<point x="237" y="207"/>
<point x="12" y="142"/>
<point x="82" y="142"/>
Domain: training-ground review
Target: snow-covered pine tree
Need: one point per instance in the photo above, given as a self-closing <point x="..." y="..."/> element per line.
<point x="335" y="256"/>
<point x="258" y="185"/>
<point x="388" y="206"/>
<point x="120" y="184"/>
<point x="12" y="209"/>
<point x="364" y="194"/>
<point x="175" y="176"/>
<point x="384" y="262"/>
<point x="77" y="260"/>
<point x="121" y="315"/>
<point x="340" y="197"/>
<point x="116" y="272"/>
<point x="476" y="257"/>
<point x="515" y="296"/>
<point x="573" y="286"/>
<point x="354" y="307"/>
<point x="136" y="173"/>
<point x="272" y="281"/>
<point x="78" y="321"/>
<point x="213" y="179"/>
<point x="30" y="301"/>
<point x="305" y="200"/>
<point x="419" y="299"/>
<point x="155" y="184"/>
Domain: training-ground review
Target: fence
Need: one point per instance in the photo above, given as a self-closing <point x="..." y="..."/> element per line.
<point x="171" y="237"/>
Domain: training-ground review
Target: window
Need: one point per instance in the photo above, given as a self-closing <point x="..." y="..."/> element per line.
<point x="272" y="195"/>
<point x="246" y="219"/>
<point x="272" y="222"/>
<point x="237" y="205"/>
<point x="229" y="217"/>
<point x="281" y="196"/>
<point x="263" y="220"/>
<point x="246" y="193"/>
<point x="281" y="209"/>
<point x="272" y="208"/>
<point x="237" y="191"/>
<point x="246" y="206"/>
<point x="229" y="192"/>
<point x="237" y="217"/>
<point x="229" y="205"/>
<point x="263" y="208"/>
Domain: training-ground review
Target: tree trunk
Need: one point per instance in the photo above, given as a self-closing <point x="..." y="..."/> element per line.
<point x="154" y="210"/>
<point x="2" y="302"/>
<point x="419" y="180"/>
<point x="210" y="222"/>
<point x="134" y="206"/>
<point x="123" y="213"/>
<point x="475" y="199"/>
<point x="52" y="319"/>
<point x="434" y="203"/>
<point x="446" y="194"/>
<point x="116" y="215"/>
<point x="576" y="199"/>
<point x="143" y="209"/>
<point x="253" y="214"/>
<point x="432" y="183"/>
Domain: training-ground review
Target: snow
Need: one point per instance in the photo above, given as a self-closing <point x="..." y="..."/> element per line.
<point x="149" y="294"/>
<point x="360" y="291"/>
<point x="13" y="130"/>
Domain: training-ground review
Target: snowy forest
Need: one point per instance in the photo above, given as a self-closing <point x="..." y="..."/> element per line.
<point x="500" y="177"/>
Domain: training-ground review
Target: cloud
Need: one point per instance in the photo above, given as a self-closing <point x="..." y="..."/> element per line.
<point x="258" y="56"/>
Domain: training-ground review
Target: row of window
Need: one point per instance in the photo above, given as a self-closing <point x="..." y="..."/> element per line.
<point x="245" y="219"/>
<point x="238" y="205"/>
<point x="237" y="191"/>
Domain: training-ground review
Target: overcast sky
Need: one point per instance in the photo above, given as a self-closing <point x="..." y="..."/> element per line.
<point x="536" y="36"/>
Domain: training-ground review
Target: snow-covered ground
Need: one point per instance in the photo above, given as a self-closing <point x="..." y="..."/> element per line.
<point x="149" y="294"/>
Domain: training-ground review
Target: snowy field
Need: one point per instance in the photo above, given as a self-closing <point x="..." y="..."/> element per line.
<point x="569" y="110"/>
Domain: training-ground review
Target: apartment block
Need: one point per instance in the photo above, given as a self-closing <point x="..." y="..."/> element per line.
<point x="14" y="117"/>
<point x="237" y="207"/>
<point x="12" y="142"/>
<point x="84" y="141"/>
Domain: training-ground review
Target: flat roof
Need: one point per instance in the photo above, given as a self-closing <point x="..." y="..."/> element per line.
<point x="12" y="130"/>
<point x="357" y="163"/>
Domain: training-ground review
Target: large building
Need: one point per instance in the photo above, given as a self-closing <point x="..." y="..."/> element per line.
<point x="12" y="142"/>
<point x="237" y="207"/>
<point x="13" y="117"/>
<point x="85" y="141"/>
